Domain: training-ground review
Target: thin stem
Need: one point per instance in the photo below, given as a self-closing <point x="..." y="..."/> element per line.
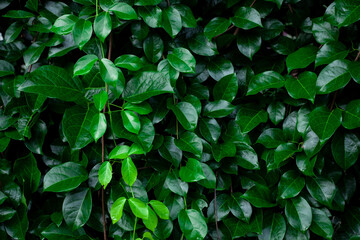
<point x="333" y="101"/>
<point x="96" y="7"/>
<point x="215" y="207"/>
<point x="357" y="56"/>
<point x="134" y="228"/>
<point x="252" y="4"/>
<point x="168" y="3"/>
<point x="182" y="237"/>
<point x="103" y="212"/>
<point x="232" y="25"/>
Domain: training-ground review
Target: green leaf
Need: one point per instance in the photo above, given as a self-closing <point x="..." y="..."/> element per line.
<point x="175" y="185"/>
<point x="186" y="115"/>
<point x="109" y="72"/>
<point x="240" y="208"/>
<point x="171" y="21"/>
<point x="218" y="109"/>
<point x="265" y="80"/>
<point x="76" y="125"/>
<point x="119" y="152"/>
<point x="100" y="100"/>
<point x="18" y="225"/>
<point x="220" y="151"/>
<point x="333" y="77"/>
<point x="187" y="18"/>
<point x="274" y="227"/>
<point x="117" y="209"/>
<point x="298" y="213"/>
<point x="201" y="45"/>
<point x="284" y="151"/>
<point x="64" y="177"/>
<point x="170" y="151"/>
<point x="82" y="32"/>
<point x="105" y="173"/>
<point x="323" y="31"/>
<point x="152" y="221"/>
<point x="77" y="208"/>
<point x="321" y="224"/>
<point x="64" y="24"/>
<point x="138" y="208"/>
<point x="246" y="18"/>
<point x="6" y="68"/>
<point x="190" y="142"/>
<point x="303" y="86"/>
<point x="345" y="149"/>
<point x="351" y="115"/>
<point x="226" y="88"/>
<point x="146" y="85"/>
<point x="192" y="172"/>
<point x="290" y="185"/>
<point x="249" y="116"/>
<point x="161" y="210"/>
<point x="102" y="25"/>
<point x="152" y="16"/>
<point x="219" y="68"/>
<point x="246" y="157"/>
<point x="53" y="82"/>
<point x="143" y="108"/>
<point x="324" y="123"/>
<point x="33" y="53"/>
<point x="276" y="111"/>
<point x="182" y="60"/>
<point x="130" y="62"/>
<point x="353" y="68"/>
<point x="271" y="138"/>
<point x="301" y="58"/>
<point x="249" y="44"/>
<point x="216" y="26"/>
<point x="12" y="32"/>
<point x="192" y="224"/>
<point x="84" y="65"/>
<point x="147" y="2"/>
<point x="131" y="121"/>
<point x="322" y="189"/>
<point x="240" y="229"/>
<point x="259" y="196"/>
<point x="18" y="14"/>
<point x="330" y="52"/>
<point x="129" y="171"/>
<point x="98" y="126"/>
<point x="27" y="172"/>
<point x="347" y="12"/>
<point x="210" y="129"/>
<point x="124" y="11"/>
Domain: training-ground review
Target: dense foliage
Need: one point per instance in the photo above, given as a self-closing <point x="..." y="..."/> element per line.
<point x="179" y="119"/>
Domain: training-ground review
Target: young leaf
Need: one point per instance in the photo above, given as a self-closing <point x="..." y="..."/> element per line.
<point x="128" y="171"/>
<point x="84" y="64"/>
<point x="192" y="172"/>
<point x="182" y="60"/>
<point x="247" y="18"/>
<point x="82" y="32"/>
<point x="138" y="208"/>
<point x="117" y="209"/>
<point x="98" y="126"/>
<point x="102" y="25"/>
<point x="105" y="173"/>
<point x="131" y="121"/>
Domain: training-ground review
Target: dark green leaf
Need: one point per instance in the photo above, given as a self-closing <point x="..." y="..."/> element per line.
<point x="322" y="189"/>
<point x="186" y="115"/>
<point x="303" y="86"/>
<point x="290" y="185"/>
<point x="192" y="224"/>
<point x="246" y="18"/>
<point x="146" y="85"/>
<point x="298" y="213"/>
<point x="216" y="26"/>
<point x="265" y="80"/>
<point x="124" y="11"/>
<point x="182" y="60"/>
<point x="271" y="138"/>
<point x="77" y="208"/>
<point x="218" y="109"/>
<point x="82" y="32"/>
<point x="171" y="21"/>
<point x="64" y="177"/>
<point x="333" y="77"/>
<point x="351" y="115"/>
<point x="302" y="58"/>
<point x="102" y="25"/>
<point x="53" y="82"/>
<point x="324" y="123"/>
<point x="274" y="227"/>
<point x="128" y="171"/>
<point x="249" y="116"/>
<point x="321" y="224"/>
<point x="249" y="44"/>
<point x="192" y="172"/>
<point x="84" y="64"/>
<point x="226" y="88"/>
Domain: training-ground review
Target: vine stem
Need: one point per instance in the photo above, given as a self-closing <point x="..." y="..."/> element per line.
<point x="232" y="25"/>
<point x="216" y="219"/>
<point x="134" y="228"/>
<point x="103" y="149"/>
<point x="252" y="4"/>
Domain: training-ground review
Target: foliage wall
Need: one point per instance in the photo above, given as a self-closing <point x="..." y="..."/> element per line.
<point x="179" y="119"/>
